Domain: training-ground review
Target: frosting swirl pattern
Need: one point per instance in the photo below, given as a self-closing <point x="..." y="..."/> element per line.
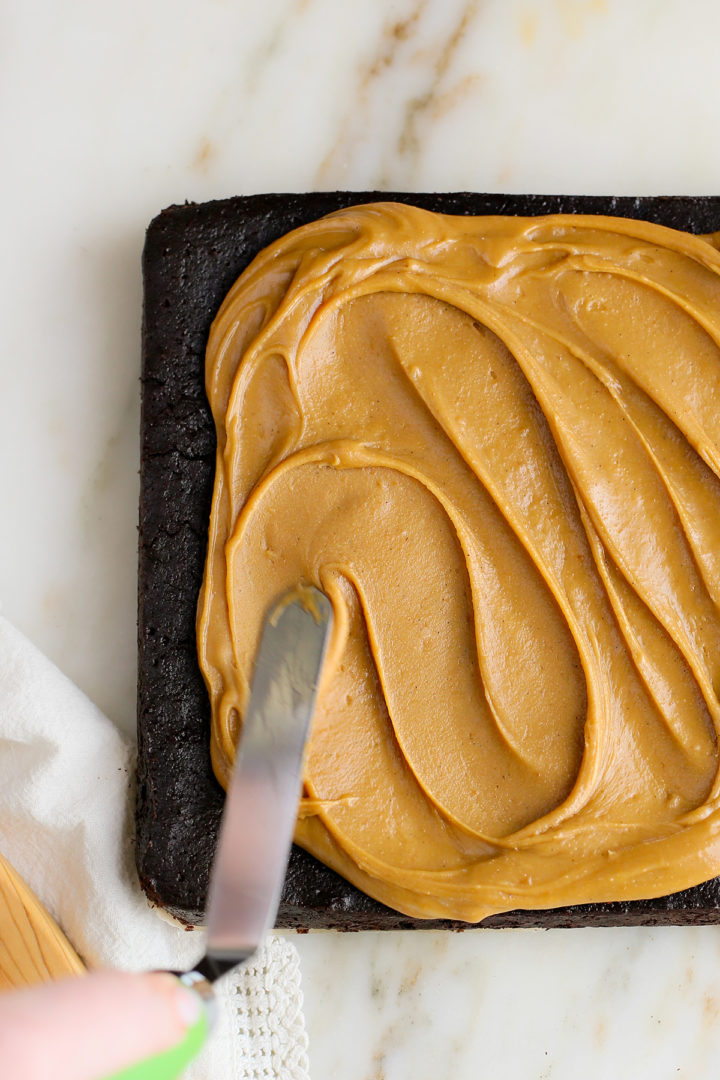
<point x="495" y="443"/>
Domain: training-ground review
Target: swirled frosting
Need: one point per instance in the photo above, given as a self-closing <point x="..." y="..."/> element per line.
<point x="495" y="443"/>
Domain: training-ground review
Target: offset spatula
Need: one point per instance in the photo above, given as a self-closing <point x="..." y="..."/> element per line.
<point x="261" y="805"/>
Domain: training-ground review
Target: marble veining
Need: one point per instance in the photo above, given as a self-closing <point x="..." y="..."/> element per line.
<point x="629" y="1003"/>
<point x="110" y="112"/>
<point x="418" y="52"/>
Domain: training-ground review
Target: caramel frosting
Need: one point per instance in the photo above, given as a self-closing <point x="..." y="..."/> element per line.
<point x="495" y="443"/>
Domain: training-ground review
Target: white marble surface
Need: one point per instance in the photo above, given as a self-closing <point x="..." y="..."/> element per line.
<point x="109" y="112"/>
<point x="514" y="1005"/>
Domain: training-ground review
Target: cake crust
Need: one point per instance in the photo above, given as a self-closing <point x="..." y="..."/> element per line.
<point x="193" y="254"/>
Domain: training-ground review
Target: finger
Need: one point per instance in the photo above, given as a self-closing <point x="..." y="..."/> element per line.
<point x="91" y="1027"/>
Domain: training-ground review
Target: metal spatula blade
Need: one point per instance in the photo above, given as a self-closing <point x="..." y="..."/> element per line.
<point x="263" y="795"/>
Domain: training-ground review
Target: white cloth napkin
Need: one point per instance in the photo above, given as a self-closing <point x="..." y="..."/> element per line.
<point x="66" y="826"/>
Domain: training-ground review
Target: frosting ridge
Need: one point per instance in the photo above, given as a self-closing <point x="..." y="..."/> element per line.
<point x="495" y="443"/>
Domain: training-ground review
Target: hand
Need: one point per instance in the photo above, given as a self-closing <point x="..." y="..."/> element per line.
<point x="94" y="1026"/>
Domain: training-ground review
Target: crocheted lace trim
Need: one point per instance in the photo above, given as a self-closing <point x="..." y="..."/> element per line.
<point x="270" y="1041"/>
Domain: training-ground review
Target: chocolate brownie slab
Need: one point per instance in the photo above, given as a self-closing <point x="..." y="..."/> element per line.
<point x="192" y="256"/>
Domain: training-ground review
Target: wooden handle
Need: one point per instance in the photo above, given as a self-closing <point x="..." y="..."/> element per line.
<point x="33" y="948"/>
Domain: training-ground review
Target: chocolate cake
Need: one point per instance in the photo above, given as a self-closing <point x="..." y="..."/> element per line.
<point x="193" y="255"/>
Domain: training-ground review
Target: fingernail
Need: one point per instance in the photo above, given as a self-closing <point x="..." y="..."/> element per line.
<point x="189" y="1005"/>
